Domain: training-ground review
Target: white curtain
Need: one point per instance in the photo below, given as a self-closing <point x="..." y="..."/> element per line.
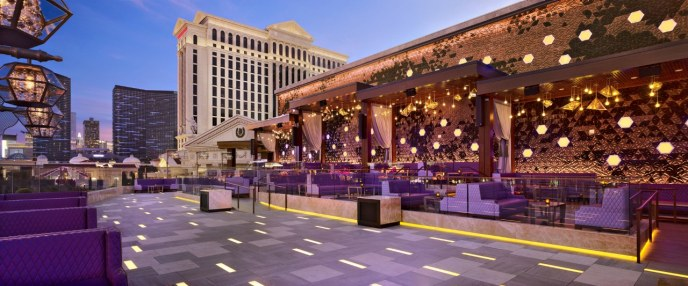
<point x="502" y="129"/>
<point x="312" y="130"/>
<point x="268" y="140"/>
<point x="382" y="125"/>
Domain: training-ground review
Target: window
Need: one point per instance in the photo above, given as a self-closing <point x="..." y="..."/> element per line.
<point x="292" y="53"/>
<point x="265" y="47"/>
<point x="245" y="42"/>
<point x="253" y="43"/>
<point x="260" y="48"/>
<point x="298" y="54"/>
<point x="214" y="35"/>
<point x="195" y="40"/>
<point x="238" y="40"/>
<point x="222" y="36"/>
<point x="280" y="49"/>
<point x="229" y="38"/>
<point x="274" y="48"/>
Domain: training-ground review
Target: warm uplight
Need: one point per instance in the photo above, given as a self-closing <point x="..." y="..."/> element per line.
<point x="130" y="264"/>
<point x="528" y="58"/>
<point x="613" y="160"/>
<point x="421" y="132"/>
<point x="414" y="150"/>
<point x="475" y="147"/>
<point x="548" y="40"/>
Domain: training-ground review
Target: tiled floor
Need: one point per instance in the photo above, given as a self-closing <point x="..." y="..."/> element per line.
<point x="178" y="243"/>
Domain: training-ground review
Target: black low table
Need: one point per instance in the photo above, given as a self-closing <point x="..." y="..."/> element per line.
<point x="379" y="211"/>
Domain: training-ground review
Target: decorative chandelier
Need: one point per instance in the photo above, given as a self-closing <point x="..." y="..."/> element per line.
<point x="29" y="85"/>
<point x="29" y="23"/>
<point x="596" y="104"/>
<point x="39" y="121"/>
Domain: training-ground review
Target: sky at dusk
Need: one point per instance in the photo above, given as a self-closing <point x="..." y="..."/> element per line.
<point x="130" y="42"/>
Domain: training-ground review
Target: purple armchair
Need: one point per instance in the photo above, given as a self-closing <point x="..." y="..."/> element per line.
<point x="46" y="220"/>
<point x="46" y="195"/>
<point x="613" y="213"/>
<point x="18" y="205"/>
<point x="80" y="257"/>
<point x="325" y="184"/>
<point x="491" y="199"/>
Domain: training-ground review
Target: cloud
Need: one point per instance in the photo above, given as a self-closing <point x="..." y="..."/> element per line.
<point x="143" y="6"/>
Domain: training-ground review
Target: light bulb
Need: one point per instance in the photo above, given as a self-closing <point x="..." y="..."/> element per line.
<point x="657" y="104"/>
<point x="577" y="97"/>
<point x="453" y="105"/>
<point x="543" y="113"/>
<point x="652" y="93"/>
<point x="570" y="99"/>
<point x="581" y="108"/>
<point x="506" y="102"/>
<point x="606" y="102"/>
<point x="511" y="116"/>
<point x="651" y="85"/>
<point x="538" y="99"/>
<point x="616" y="99"/>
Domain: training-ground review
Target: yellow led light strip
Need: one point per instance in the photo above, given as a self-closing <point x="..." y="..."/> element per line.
<point x="311" y="213"/>
<point x="354" y="264"/>
<point x="478" y="256"/>
<point x="185" y="199"/>
<point x="526" y="242"/>
<point x="441" y="270"/>
<point x="666" y="273"/>
<point x="136" y="248"/>
<point x="560" y="268"/>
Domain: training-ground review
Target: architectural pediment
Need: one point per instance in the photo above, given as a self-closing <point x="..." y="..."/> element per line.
<point x="291" y="27"/>
<point x="233" y="129"/>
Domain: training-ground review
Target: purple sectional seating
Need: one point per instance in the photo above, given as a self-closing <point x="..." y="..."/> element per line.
<point x="239" y="185"/>
<point x="312" y="165"/>
<point x="411" y="194"/>
<point x="46" y="195"/>
<point x="289" y="182"/>
<point x="18" y="205"/>
<point x="491" y="199"/>
<point x="142" y="185"/>
<point x="46" y="220"/>
<point x="614" y="212"/>
<point x="80" y="257"/>
<point x="559" y="186"/>
<point x="325" y="184"/>
<point x="667" y="194"/>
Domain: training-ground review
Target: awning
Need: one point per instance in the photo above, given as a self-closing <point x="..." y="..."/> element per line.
<point x="328" y="94"/>
<point x="473" y="69"/>
<point x="284" y="118"/>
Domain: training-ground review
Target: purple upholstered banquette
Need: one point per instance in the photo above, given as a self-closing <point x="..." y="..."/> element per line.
<point x="18" y="205"/>
<point x="47" y="220"/>
<point x="79" y="257"/>
<point x="46" y="195"/>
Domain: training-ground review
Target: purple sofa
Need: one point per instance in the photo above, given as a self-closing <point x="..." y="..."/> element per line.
<point x="142" y="185"/>
<point x="490" y="199"/>
<point x="289" y="183"/>
<point x="411" y="194"/>
<point x="79" y="257"/>
<point x="18" y="205"/>
<point x="239" y="185"/>
<point x="325" y="184"/>
<point x="45" y="195"/>
<point x="46" y="220"/>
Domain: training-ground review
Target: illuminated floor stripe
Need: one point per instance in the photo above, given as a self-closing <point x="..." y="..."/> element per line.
<point x="146" y="212"/>
<point x="116" y="222"/>
<point x="234" y="240"/>
<point x="302" y="251"/>
<point x="398" y="251"/>
<point x="478" y="256"/>
<point x="354" y="264"/>
<point x="441" y="270"/>
<point x="229" y="212"/>
<point x="158" y="218"/>
<point x="181" y="284"/>
<point x="260" y="216"/>
<point x="193" y="223"/>
<point x="312" y="241"/>
<point x="127" y="206"/>
<point x="260" y="223"/>
<point x="302" y="217"/>
<point x="141" y="237"/>
<point x="141" y="208"/>
<point x="105" y="216"/>
<point x="136" y="248"/>
<point x="312" y="213"/>
<point x="442" y="239"/>
<point x="189" y="213"/>
<point x="188" y="200"/>
<point x="260" y="231"/>
<point x="372" y="230"/>
<point x="255" y="283"/>
<point x="525" y="242"/>
<point x="142" y="225"/>
<point x="560" y="268"/>
<point x="666" y="273"/>
<point x="322" y="227"/>
<point x="225" y="267"/>
<point x="130" y="264"/>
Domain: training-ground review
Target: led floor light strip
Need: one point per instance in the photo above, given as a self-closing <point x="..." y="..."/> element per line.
<point x="560" y="268"/>
<point x="667" y="273"/>
<point x="354" y="264"/>
<point x="441" y="270"/>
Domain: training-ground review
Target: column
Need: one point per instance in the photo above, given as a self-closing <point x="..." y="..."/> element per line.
<point x="364" y="133"/>
<point x="485" y="152"/>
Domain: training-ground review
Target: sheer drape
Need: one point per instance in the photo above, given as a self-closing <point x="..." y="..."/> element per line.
<point x="268" y="140"/>
<point x="502" y="130"/>
<point x="382" y="125"/>
<point x="312" y="130"/>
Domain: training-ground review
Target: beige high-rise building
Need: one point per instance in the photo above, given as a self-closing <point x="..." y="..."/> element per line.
<point x="227" y="69"/>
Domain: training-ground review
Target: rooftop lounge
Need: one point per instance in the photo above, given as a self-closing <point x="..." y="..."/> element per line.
<point x="545" y="143"/>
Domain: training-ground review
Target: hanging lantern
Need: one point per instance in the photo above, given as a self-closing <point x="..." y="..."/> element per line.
<point x="29" y="23"/>
<point x="38" y="120"/>
<point x="29" y="85"/>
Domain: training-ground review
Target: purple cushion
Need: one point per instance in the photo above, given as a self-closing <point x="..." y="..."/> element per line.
<point x="17" y="205"/>
<point x="46" y="195"/>
<point x="46" y="220"/>
<point x="63" y="258"/>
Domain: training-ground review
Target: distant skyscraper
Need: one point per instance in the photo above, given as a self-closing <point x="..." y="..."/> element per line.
<point x="91" y="133"/>
<point x="143" y="121"/>
<point x="58" y="148"/>
<point x="226" y="68"/>
<point x="73" y="125"/>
